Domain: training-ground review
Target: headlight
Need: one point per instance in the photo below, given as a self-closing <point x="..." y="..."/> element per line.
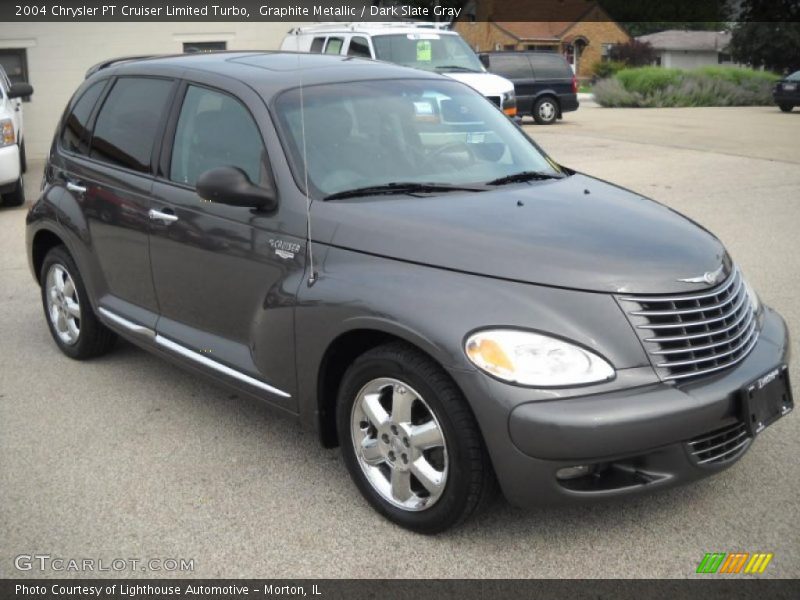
<point x="7" y="131"/>
<point x="751" y="294"/>
<point x="535" y="360"/>
<point x="510" y="103"/>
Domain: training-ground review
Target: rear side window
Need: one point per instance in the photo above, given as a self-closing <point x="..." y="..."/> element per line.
<point x="75" y="135"/>
<point x="128" y="122"/>
<point x="359" y="46"/>
<point x="550" y="66"/>
<point x="214" y="130"/>
<point x="317" y="44"/>
<point x="334" y="45"/>
<point x="513" y="66"/>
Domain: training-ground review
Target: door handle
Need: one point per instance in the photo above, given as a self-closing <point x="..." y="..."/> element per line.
<point x="74" y="187"/>
<point x="165" y="217"/>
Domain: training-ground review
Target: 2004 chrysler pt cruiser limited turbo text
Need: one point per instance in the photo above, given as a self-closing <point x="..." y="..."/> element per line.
<point x="382" y="254"/>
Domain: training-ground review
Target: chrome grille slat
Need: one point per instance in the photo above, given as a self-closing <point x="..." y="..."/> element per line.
<point x="727" y="315"/>
<point x="681" y="363"/>
<point x="691" y="335"/>
<point x="719" y="446"/>
<point x="686" y="311"/>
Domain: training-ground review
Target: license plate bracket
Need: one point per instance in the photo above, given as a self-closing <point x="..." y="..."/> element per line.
<point x="766" y="399"/>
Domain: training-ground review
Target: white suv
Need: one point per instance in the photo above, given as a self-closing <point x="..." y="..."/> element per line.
<point x="425" y="46"/>
<point x="12" y="145"/>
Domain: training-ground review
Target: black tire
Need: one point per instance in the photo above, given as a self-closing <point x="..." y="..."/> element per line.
<point x="470" y="484"/>
<point x="23" y="158"/>
<point x="16" y="197"/>
<point x="94" y="338"/>
<point x="546" y="110"/>
<point x="786" y="107"/>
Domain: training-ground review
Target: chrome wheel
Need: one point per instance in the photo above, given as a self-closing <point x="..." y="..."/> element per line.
<point x="63" y="305"/>
<point x="399" y="444"/>
<point x="547" y="111"/>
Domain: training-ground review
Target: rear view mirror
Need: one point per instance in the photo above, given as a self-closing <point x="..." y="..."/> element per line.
<point x="232" y="186"/>
<point x="20" y="90"/>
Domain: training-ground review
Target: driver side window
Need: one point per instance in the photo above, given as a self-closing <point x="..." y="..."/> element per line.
<point x="214" y="130"/>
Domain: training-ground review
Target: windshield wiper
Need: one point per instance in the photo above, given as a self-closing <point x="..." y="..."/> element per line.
<point x="524" y="176"/>
<point x="400" y="188"/>
<point x="455" y="68"/>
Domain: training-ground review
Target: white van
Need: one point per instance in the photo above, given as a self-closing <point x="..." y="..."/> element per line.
<point x="420" y="45"/>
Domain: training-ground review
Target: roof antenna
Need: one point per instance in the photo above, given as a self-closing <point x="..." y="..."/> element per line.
<point x="312" y="274"/>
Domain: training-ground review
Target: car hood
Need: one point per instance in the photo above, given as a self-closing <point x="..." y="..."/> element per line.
<point x="577" y="232"/>
<point x="487" y="84"/>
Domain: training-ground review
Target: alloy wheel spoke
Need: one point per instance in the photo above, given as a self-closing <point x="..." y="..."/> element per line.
<point x="372" y="408"/>
<point x="430" y="478"/>
<point x="61" y="322"/>
<point x="427" y="435"/>
<point x="72" y="328"/>
<point x="69" y="287"/>
<point x="402" y="399"/>
<point x="371" y="452"/>
<point x="401" y="485"/>
<point x="58" y="275"/>
<point x="73" y="308"/>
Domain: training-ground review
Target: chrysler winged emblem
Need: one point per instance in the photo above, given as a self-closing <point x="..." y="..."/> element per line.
<point x="711" y="277"/>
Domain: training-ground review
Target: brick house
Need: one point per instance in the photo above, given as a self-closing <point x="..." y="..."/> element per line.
<point x="579" y="29"/>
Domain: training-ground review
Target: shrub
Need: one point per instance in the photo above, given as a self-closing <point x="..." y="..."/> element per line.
<point x="605" y="69"/>
<point x="708" y="86"/>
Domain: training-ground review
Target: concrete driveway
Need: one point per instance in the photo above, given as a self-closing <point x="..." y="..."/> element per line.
<point x="130" y="457"/>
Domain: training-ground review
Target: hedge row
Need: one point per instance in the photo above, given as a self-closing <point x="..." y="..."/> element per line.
<point x="655" y="87"/>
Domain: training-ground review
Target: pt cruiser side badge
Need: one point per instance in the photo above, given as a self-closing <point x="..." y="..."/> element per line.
<point x="284" y="249"/>
<point x="711" y="277"/>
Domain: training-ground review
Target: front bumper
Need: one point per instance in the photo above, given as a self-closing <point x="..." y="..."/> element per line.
<point x="635" y="439"/>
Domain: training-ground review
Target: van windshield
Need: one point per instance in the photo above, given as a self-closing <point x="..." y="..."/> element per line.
<point x="429" y="51"/>
<point x="374" y="133"/>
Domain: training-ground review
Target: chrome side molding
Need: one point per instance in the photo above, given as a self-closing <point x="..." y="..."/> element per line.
<point x="168" y="344"/>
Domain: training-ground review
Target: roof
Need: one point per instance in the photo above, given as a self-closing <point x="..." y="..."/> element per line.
<point x="269" y="72"/>
<point x="676" y="39"/>
<point x="535" y="30"/>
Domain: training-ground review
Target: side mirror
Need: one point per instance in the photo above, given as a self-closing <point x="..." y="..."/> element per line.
<point x="232" y="186"/>
<point x="20" y="90"/>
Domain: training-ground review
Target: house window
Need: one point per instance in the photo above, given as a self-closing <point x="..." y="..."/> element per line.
<point x="539" y="48"/>
<point x="15" y="63"/>
<point x="510" y="47"/>
<point x="723" y="57"/>
<point x="204" y="46"/>
<point x="605" y="52"/>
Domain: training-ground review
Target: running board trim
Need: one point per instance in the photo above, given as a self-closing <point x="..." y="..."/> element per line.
<point x="190" y="354"/>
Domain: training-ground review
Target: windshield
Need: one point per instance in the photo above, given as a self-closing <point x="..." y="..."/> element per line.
<point x="794" y="76"/>
<point x="429" y="51"/>
<point x="372" y="133"/>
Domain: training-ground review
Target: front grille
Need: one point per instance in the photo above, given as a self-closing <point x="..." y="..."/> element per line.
<point x="719" y="446"/>
<point x="495" y="99"/>
<point x="690" y="335"/>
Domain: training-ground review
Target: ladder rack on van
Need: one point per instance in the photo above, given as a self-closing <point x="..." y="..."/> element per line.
<point x="367" y="26"/>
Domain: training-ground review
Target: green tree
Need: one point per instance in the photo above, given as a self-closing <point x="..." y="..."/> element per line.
<point x="774" y="45"/>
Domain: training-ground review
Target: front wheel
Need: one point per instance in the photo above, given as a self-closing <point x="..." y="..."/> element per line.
<point x="410" y="442"/>
<point x="545" y="111"/>
<point x="786" y="107"/>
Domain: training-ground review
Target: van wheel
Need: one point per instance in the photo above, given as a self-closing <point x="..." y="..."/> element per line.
<point x="545" y="110"/>
<point x="410" y="442"/>
<point x="17" y="196"/>
<point x="72" y="322"/>
<point x="786" y="107"/>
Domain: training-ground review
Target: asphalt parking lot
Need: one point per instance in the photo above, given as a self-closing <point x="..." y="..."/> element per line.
<point x="130" y="457"/>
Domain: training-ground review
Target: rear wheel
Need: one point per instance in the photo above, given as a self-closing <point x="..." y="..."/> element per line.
<point x="72" y="322"/>
<point x="545" y="110"/>
<point x="410" y="442"/>
<point x="786" y="107"/>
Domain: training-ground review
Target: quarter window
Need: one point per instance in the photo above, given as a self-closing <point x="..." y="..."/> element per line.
<point x="359" y="47"/>
<point x="317" y="44"/>
<point x="75" y="136"/>
<point x="128" y="122"/>
<point x="334" y="45"/>
<point x="214" y="130"/>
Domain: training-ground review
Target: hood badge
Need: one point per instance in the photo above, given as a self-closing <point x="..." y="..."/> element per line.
<point x="711" y="277"/>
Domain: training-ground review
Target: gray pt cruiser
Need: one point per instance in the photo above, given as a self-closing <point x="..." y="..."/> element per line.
<point x="381" y="254"/>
